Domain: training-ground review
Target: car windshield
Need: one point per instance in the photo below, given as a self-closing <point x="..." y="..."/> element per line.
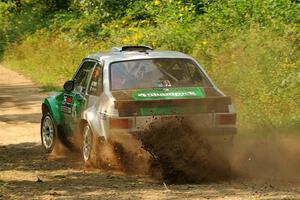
<point x="151" y="73"/>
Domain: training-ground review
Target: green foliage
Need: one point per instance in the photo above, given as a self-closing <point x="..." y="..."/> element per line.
<point x="6" y="8"/>
<point x="243" y="13"/>
<point x="56" y="5"/>
<point x="106" y="8"/>
<point x="49" y="60"/>
<point x="250" y="48"/>
<point x="261" y="75"/>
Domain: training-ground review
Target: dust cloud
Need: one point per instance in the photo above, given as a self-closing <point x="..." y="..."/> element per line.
<point x="65" y="152"/>
<point x="174" y="151"/>
<point x="273" y="156"/>
<point x="186" y="155"/>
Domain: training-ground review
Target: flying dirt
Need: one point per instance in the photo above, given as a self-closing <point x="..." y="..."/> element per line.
<point x="184" y="154"/>
<point x="263" y="165"/>
<point x="176" y="152"/>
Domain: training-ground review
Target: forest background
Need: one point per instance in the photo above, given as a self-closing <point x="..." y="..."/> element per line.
<point x="250" y="48"/>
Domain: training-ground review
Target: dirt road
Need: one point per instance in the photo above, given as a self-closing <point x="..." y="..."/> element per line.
<point x="27" y="173"/>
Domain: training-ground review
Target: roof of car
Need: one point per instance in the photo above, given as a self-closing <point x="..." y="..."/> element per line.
<point x="118" y="55"/>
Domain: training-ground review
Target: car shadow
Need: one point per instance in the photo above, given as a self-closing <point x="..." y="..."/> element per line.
<point x="63" y="173"/>
<point x="13" y="118"/>
<point x="19" y="95"/>
<point x="20" y="103"/>
<point x="30" y="157"/>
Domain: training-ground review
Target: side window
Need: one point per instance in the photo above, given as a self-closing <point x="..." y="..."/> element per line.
<point x="196" y="76"/>
<point x="96" y="86"/>
<point x="82" y="76"/>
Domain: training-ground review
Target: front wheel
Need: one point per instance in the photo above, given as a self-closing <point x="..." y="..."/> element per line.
<point x="48" y="133"/>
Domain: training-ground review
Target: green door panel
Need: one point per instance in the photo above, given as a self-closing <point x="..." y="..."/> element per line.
<point x="71" y="108"/>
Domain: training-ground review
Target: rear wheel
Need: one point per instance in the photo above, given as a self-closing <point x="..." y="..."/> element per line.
<point x="89" y="146"/>
<point x="48" y="132"/>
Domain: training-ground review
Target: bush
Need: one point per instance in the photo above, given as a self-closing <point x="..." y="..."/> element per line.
<point x="260" y="74"/>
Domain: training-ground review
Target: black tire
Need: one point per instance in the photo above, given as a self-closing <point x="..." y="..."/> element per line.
<point x="48" y="132"/>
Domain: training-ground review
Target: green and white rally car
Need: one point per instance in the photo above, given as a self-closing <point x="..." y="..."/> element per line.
<point x="122" y="90"/>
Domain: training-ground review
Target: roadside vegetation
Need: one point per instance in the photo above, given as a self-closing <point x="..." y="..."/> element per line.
<point x="249" y="48"/>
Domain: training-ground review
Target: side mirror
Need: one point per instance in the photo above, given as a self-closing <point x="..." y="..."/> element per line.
<point x="69" y="86"/>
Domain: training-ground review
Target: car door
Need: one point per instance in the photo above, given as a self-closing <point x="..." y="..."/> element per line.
<point x="95" y="87"/>
<point x="75" y="101"/>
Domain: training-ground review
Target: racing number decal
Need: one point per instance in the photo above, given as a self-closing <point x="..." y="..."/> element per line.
<point x="66" y="105"/>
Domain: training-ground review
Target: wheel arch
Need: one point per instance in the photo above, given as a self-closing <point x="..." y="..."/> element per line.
<point x="95" y="122"/>
<point x="49" y="105"/>
<point x="82" y="123"/>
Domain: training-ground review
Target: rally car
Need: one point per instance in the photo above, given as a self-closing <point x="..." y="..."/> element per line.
<point x="125" y="89"/>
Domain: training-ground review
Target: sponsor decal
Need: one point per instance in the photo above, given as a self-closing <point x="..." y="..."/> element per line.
<point x="66" y="105"/>
<point x="69" y="100"/>
<point x="168" y="93"/>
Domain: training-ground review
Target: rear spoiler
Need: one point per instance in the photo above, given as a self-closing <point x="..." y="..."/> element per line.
<point x="211" y="104"/>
